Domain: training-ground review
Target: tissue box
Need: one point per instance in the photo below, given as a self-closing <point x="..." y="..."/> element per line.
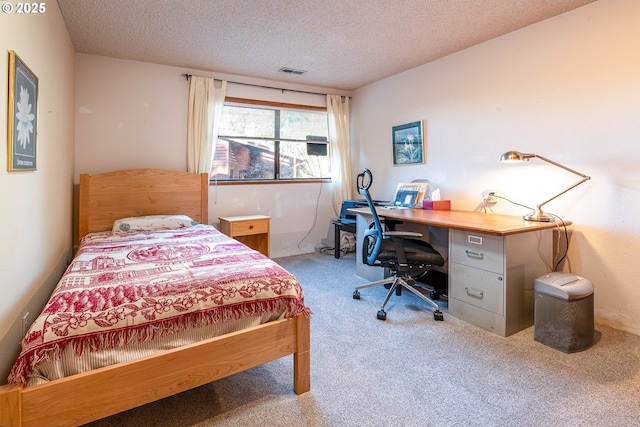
<point x="441" y="205"/>
<point x="436" y="205"/>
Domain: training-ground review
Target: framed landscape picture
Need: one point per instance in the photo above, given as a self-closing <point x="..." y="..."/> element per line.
<point x="23" y="116"/>
<point x="408" y="144"/>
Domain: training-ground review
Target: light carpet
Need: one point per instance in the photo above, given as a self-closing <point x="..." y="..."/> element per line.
<point x="411" y="371"/>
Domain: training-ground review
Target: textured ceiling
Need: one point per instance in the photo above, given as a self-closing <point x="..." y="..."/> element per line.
<point x="343" y="44"/>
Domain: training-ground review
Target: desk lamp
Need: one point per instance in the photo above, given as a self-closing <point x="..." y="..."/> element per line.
<point x="538" y="214"/>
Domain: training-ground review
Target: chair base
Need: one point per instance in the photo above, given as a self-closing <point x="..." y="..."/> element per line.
<point x="396" y="282"/>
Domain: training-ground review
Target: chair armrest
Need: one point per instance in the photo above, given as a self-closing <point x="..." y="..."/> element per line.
<point x="401" y="234"/>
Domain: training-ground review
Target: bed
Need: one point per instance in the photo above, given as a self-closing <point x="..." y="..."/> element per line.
<point x="97" y="393"/>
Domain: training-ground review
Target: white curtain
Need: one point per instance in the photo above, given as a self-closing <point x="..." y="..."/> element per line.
<point x="340" y="151"/>
<point x="205" y="108"/>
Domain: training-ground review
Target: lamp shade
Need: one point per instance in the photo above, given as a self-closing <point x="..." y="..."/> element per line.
<point x="515" y="156"/>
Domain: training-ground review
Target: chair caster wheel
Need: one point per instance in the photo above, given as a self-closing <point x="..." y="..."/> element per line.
<point x="437" y="315"/>
<point x="382" y="315"/>
<point x="356" y="294"/>
<point x="434" y="295"/>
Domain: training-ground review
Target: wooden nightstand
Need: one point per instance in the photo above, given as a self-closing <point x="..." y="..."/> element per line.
<point x="252" y="230"/>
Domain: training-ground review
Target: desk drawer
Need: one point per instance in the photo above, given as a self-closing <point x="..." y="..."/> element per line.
<point x="477" y="287"/>
<point x="485" y="319"/>
<point x="477" y="250"/>
<point x="244" y="228"/>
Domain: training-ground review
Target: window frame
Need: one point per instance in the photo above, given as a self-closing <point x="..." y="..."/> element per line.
<point x="275" y="105"/>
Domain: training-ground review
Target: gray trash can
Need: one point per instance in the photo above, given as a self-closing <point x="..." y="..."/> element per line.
<point x="563" y="314"/>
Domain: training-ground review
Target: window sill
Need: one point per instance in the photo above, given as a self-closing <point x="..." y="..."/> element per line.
<point x="272" y="181"/>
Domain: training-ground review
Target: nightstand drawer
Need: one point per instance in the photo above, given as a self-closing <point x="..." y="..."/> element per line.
<point x="480" y="288"/>
<point x="244" y="228"/>
<point x="477" y="250"/>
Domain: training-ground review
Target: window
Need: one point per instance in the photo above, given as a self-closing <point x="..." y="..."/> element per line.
<point x="259" y="142"/>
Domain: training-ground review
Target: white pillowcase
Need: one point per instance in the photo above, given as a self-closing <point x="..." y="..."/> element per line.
<point x="152" y="222"/>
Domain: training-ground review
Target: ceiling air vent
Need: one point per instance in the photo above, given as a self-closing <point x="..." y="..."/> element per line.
<point x="291" y="71"/>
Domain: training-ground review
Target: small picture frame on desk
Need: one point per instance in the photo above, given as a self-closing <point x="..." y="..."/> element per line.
<point x="408" y="144"/>
<point x="405" y="198"/>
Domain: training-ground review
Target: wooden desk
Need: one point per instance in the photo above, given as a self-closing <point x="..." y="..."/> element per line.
<point x="493" y="262"/>
<point x="338" y="226"/>
<point x="494" y="224"/>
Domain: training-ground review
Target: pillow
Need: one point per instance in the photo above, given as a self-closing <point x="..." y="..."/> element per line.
<point x="152" y="222"/>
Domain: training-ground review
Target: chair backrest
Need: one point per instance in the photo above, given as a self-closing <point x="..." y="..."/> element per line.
<point x="373" y="235"/>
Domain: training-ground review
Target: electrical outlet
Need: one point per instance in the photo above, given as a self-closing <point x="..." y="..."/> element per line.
<point x="488" y="198"/>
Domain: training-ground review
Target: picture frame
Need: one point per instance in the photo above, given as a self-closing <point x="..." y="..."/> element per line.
<point x="408" y="144"/>
<point x="22" y="118"/>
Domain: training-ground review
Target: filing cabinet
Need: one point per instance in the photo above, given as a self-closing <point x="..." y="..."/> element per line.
<point x="491" y="278"/>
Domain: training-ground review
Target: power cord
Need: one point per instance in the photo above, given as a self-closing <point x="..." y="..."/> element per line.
<point x="562" y="223"/>
<point x="315" y="218"/>
<point x="566" y="240"/>
<point x="487" y="205"/>
<point x="510" y="201"/>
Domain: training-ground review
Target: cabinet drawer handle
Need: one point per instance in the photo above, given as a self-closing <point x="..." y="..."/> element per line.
<point x="474" y="292"/>
<point x="251" y="227"/>
<point x="473" y="254"/>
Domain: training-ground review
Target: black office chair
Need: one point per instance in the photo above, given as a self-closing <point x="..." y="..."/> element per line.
<point x="399" y="251"/>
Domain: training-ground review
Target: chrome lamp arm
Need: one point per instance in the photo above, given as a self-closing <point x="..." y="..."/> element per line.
<point x="538" y="214"/>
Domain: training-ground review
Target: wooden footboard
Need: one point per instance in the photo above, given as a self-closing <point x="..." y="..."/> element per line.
<point x="97" y="394"/>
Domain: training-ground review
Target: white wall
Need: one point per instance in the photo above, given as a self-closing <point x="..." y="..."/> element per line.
<point x="128" y="115"/>
<point x="35" y="215"/>
<point x="567" y="88"/>
<point x="134" y="115"/>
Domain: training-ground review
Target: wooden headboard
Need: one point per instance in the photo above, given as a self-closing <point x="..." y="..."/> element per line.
<point x="103" y="198"/>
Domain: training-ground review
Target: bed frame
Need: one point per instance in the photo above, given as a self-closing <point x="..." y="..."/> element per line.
<point x="89" y="396"/>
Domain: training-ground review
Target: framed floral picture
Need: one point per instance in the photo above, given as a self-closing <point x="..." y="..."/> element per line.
<point x="23" y="116"/>
<point x="408" y="144"/>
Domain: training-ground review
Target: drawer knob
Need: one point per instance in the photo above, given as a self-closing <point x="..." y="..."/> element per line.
<point x="477" y="293"/>
<point x="251" y="227"/>
<point x="473" y="254"/>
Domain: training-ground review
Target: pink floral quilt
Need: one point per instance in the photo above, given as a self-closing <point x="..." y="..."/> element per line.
<point x="125" y="287"/>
